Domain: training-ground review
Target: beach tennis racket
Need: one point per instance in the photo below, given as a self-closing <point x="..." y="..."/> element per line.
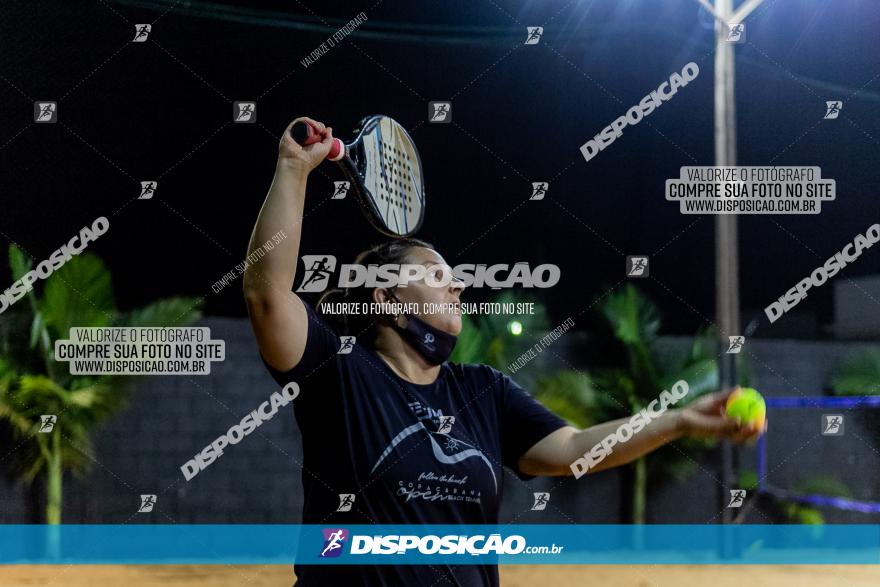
<point x="384" y="170"/>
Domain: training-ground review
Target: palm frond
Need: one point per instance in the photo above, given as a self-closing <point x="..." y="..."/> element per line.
<point x="701" y="376"/>
<point x="176" y="311"/>
<point x="471" y="342"/>
<point x="635" y="319"/>
<point x="570" y="395"/>
<point x="859" y="375"/>
<point x="79" y="294"/>
<point x="21" y="424"/>
<point x="41" y="390"/>
<point x="19" y="263"/>
<point x="615" y="392"/>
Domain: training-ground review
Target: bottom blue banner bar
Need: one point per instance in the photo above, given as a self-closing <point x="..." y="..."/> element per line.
<point x="472" y="544"/>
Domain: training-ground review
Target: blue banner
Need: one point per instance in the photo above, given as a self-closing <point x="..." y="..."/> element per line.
<point x="472" y="544"/>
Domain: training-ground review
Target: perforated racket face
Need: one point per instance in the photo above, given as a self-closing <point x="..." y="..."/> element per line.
<point x="392" y="176"/>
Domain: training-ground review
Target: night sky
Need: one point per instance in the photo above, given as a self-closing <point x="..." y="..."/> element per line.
<point x="162" y="110"/>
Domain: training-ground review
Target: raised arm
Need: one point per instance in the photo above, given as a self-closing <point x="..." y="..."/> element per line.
<point x="277" y="314"/>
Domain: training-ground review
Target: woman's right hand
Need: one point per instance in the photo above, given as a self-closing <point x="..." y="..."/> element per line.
<point x="305" y="158"/>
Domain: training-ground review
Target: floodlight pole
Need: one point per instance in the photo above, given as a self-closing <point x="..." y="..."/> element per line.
<point x="726" y="242"/>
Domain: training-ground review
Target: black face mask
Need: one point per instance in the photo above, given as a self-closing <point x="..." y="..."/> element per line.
<point x="433" y="344"/>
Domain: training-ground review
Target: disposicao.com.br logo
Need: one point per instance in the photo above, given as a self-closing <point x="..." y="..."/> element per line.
<point x="413" y="545"/>
<point x="320" y="269"/>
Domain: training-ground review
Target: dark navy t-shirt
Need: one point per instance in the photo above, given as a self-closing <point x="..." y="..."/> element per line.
<point x="369" y="433"/>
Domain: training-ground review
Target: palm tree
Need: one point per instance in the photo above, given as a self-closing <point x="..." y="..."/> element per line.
<point x="635" y="373"/>
<point x="33" y="384"/>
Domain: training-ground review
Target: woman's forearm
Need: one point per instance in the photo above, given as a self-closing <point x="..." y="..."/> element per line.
<point x="571" y="451"/>
<point x="613" y="452"/>
<point x="282" y="211"/>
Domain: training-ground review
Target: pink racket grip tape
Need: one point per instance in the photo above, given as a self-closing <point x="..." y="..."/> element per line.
<point x="305" y="134"/>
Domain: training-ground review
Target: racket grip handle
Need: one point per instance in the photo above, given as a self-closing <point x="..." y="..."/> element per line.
<point x="305" y="134"/>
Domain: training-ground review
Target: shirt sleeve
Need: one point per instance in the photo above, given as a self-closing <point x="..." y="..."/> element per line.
<point x="524" y="422"/>
<point x="322" y="344"/>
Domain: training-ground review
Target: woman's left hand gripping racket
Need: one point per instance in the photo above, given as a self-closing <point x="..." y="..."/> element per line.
<point x="384" y="169"/>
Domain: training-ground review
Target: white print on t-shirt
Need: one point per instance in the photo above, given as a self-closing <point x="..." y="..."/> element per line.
<point x="426" y="412"/>
<point x="438" y="493"/>
<point x="452" y="444"/>
<point x="432" y="476"/>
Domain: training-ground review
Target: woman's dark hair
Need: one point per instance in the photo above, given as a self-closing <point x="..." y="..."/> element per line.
<point x="363" y="326"/>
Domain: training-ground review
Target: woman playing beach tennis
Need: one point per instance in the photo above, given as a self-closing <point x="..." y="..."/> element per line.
<point x="392" y="432"/>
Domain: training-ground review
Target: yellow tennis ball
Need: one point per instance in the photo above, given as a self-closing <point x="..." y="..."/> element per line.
<point x="748" y="405"/>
